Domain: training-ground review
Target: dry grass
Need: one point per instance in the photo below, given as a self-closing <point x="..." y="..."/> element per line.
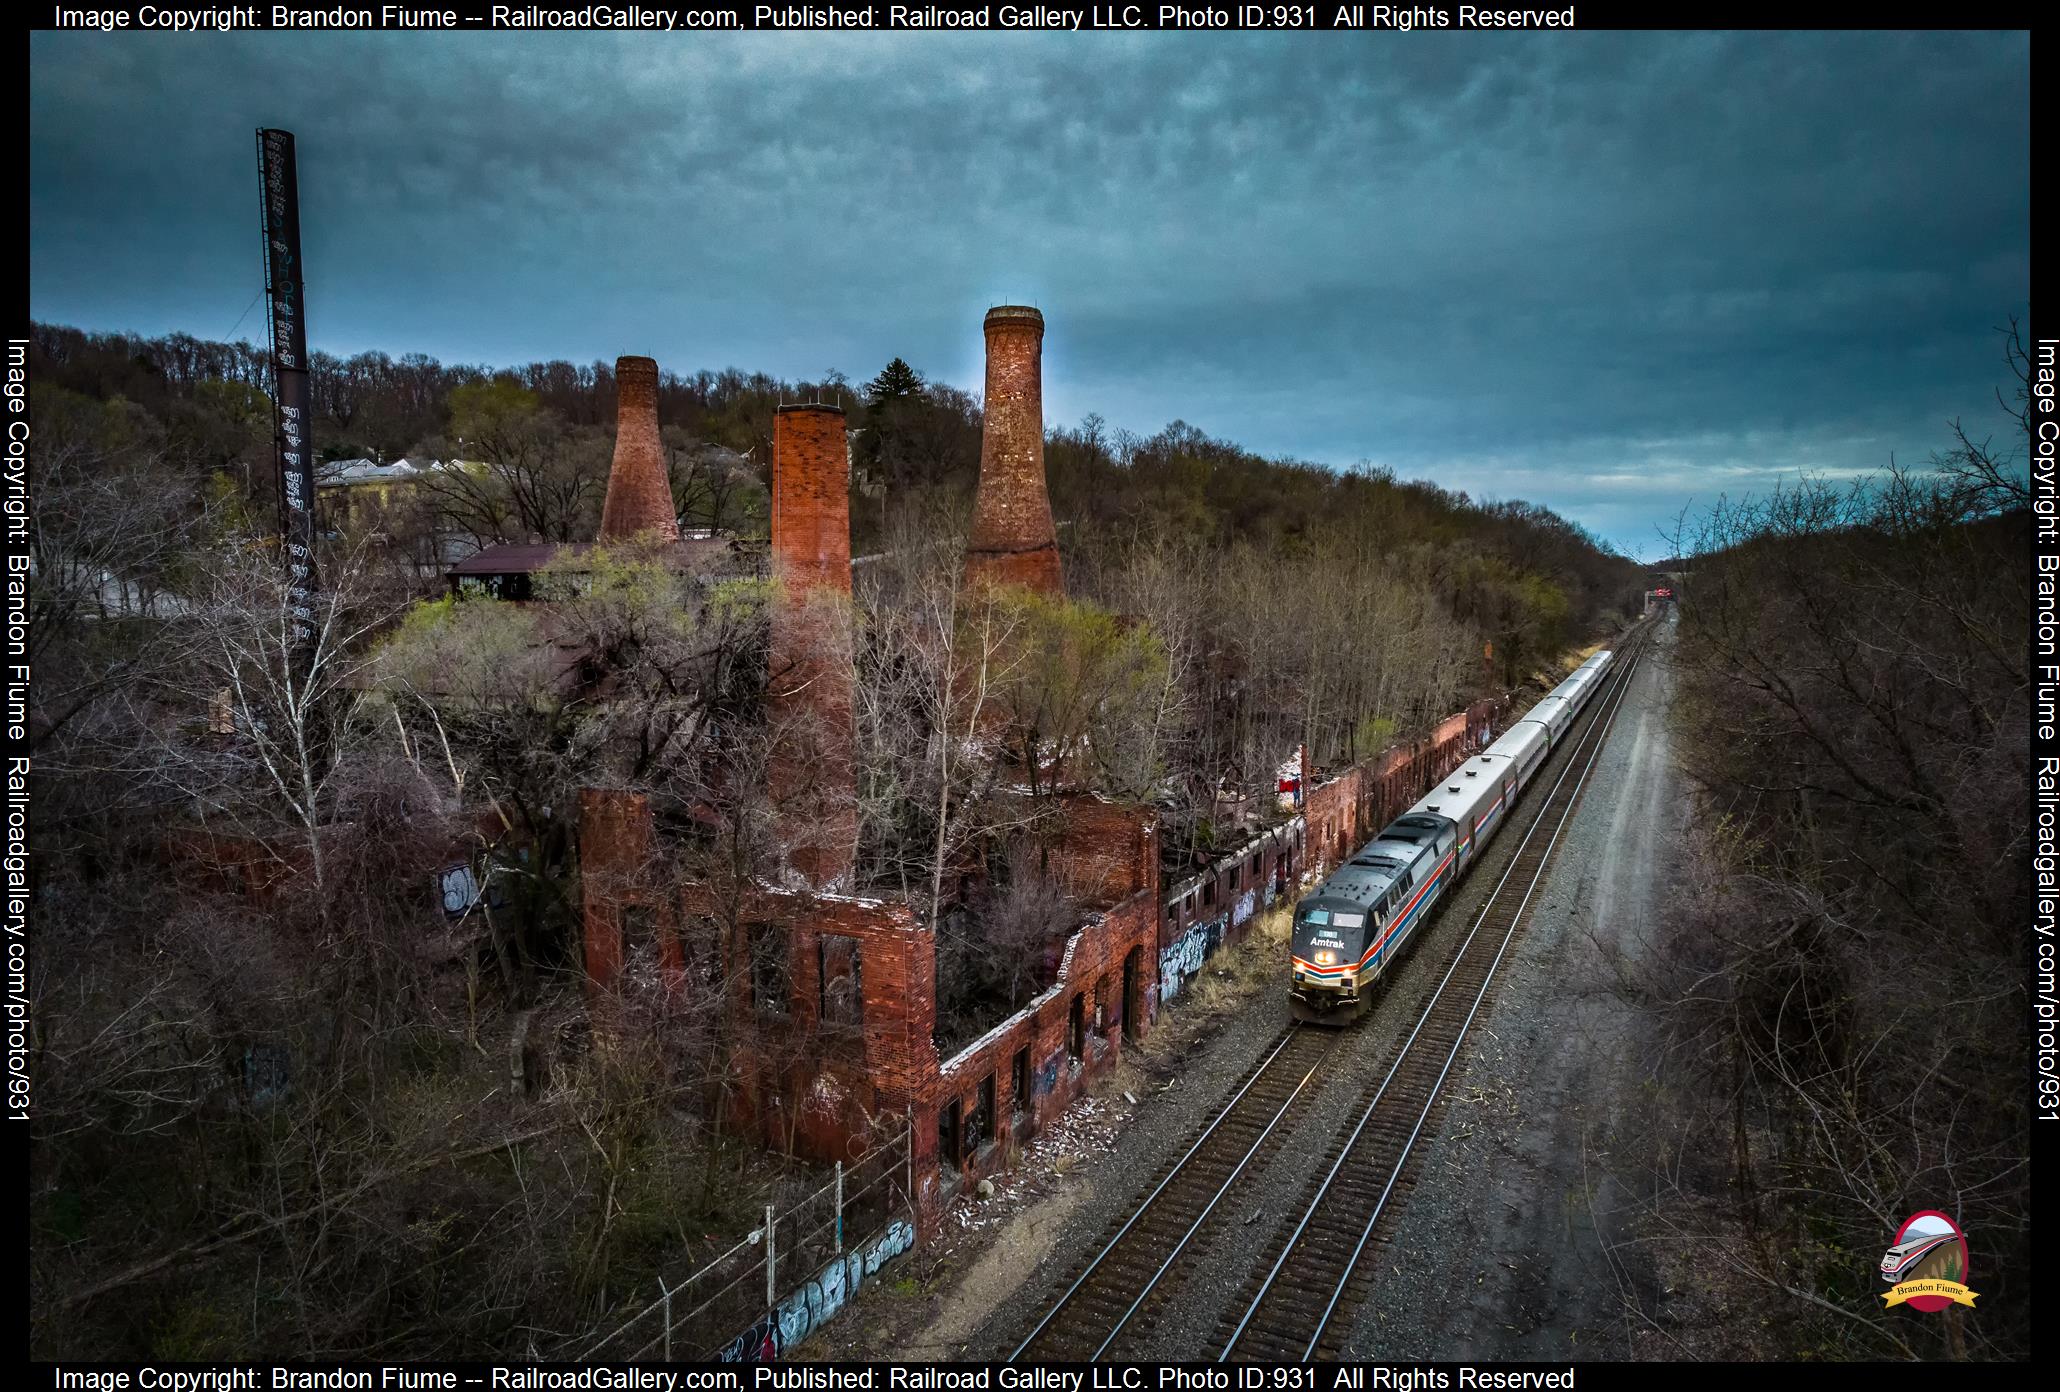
<point x="1227" y="981"/>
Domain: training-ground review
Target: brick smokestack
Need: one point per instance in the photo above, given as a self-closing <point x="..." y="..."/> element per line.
<point x="1013" y="541"/>
<point x="639" y="497"/>
<point x="813" y="778"/>
<point x="811" y="498"/>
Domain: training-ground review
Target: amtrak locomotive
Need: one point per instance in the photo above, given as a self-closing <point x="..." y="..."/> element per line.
<point x="1361" y="918"/>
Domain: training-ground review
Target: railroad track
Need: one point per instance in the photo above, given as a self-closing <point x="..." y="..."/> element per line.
<point x="1107" y="1294"/>
<point x="1120" y="1289"/>
<point x="1292" y="1307"/>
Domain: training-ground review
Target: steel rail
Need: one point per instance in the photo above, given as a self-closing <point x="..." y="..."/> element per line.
<point x="1287" y="1037"/>
<point x="1207" y="1209"/>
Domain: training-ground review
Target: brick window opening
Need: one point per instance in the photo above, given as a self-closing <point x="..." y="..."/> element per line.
<point x="1208" y="893"/>
<point x="842" y="982"/>
<point x="769" y="979"/>
<point x="980" y="1129"/>
<point x="640" y="954"/>
<point x="1019" y="1083"/>
<point x="948" y="1154"/>
<point x="1076" y="1032"/>
<point x="1101" y="1003"/>
<point x="701" y="951"/>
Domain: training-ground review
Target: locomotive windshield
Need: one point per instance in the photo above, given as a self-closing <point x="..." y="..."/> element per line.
<point x="1330" y="927"/>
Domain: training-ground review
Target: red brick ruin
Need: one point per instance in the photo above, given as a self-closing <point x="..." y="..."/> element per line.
<point x="832" y="993"/>
<point x="812" y="776"/>
<point x="639" y="497"/>
<point x="1013" y="540"/>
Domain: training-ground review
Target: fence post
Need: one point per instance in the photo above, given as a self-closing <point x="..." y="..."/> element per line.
<point x="772" y="1297"/>
<point x="840" y="1208"/>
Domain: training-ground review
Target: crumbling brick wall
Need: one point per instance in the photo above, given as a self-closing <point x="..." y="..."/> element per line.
<point x="821" y="1071"/>
<point x="227" y="864"/>
<point x="1031" y="1066"/>
<point x="810" y="1074"/>
<point x="816" y="1077"/>
<point x="1105" y="853"/>
<point x="615" y="845"/>
<point x="1228" y="896"/>
<point x="1331" y="813"/>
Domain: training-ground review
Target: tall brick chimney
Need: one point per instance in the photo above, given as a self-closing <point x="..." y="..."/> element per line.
<point x="811" y="498"/>
<point x="639" y="497"/>
<point x="813" y="777"/>
<point x="1013" y="541"/>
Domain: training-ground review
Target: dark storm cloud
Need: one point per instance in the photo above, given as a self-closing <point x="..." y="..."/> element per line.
<point x="1602" y="271"/>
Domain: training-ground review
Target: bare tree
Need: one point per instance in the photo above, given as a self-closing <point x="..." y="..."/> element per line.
<point x="532" y="478"/>
<point x="288" y="709"/>
<point x="930" y="660"/>
<point x="1853" y="702"/>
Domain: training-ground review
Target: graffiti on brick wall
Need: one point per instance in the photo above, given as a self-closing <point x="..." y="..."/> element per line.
<point x="1048" y="1072"/>
<point x="758" y="1344"/>
<point x="1183" y="958"/>
<point x="1179" y="960"/>
<point x="1243" y="909"/>
<point x="807" y="1309"/>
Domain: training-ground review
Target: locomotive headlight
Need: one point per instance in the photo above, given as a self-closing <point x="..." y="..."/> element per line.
<point x="1325" y="957"/>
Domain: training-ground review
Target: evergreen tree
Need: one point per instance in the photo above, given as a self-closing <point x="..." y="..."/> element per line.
<point x="896" y="382"/>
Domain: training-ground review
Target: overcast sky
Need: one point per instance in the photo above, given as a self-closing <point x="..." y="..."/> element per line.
<point x="1610" y="273"/>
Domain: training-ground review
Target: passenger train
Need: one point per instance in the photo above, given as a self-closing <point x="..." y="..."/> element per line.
<point x="1357" y="922"/>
